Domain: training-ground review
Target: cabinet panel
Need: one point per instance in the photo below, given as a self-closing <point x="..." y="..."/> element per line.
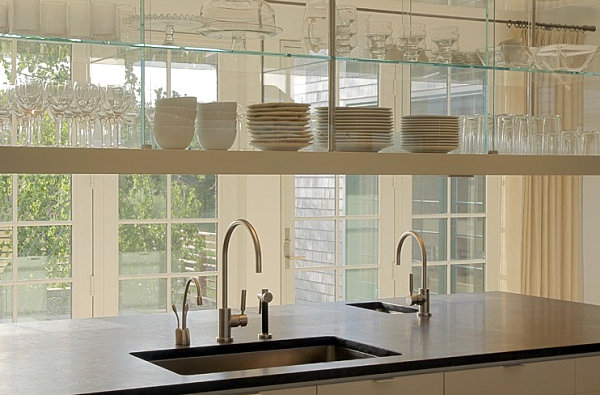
<point x="540" y="378"/>
<point x="587" y="375"/>
<point x="289" y="391"/>
<point x="430" y="384"/>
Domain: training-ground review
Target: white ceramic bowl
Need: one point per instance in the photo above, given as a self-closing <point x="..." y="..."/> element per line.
<point x="187" y="101"/>
<point x="186" y="112"/>
<point x="217" y="116"/>
<point x="217" y="124"/>
<point x="216" y="138"/>
<point x="173" y="137"/>
<point x="166" y="119"/>
<point x="229" y="106"/>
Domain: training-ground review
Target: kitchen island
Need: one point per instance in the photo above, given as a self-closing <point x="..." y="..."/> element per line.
<point x="466" y="334"/>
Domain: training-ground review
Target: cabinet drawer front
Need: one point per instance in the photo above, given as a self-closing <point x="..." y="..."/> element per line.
<point x="430" y="384"/>
<point x="292" y="391"/>
<point x="540" y="378"/>
<point x="588" y="375"/>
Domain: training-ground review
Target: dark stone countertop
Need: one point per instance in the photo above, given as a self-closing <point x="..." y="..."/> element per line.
<point x="82" y="356"/>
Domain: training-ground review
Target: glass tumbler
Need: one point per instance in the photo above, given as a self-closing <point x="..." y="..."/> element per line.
<point x="571" y="143"/>
<point x="104" y="20"/>
<point x="78" y="25"/>
<point x="412" y="36"/>
<point x="53" y="19"/>
<point x="378" y="35"/>
<point x="590" y="143"/>
<point x="446" y="39"/>
<point x="26" y="16"/>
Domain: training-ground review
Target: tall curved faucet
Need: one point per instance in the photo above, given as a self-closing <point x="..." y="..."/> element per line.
<point x="422" y="298"/>
<point x="226" y="319"/>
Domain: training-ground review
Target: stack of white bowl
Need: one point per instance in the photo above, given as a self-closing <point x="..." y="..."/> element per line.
<point x="174" y="120"/>
<point x="217" y="124"/>
<point x="430" y="133"/>
<point x="279" y="126"/>
<point x="368" y="129"/>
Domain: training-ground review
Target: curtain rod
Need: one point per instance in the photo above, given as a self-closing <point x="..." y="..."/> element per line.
<point x="508" y="22"/>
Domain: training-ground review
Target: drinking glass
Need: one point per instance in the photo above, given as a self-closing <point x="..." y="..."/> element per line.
<point x="53" y="19"/>
<point x="78" y="25"/>
<point x="60" y="97"/>
<point x="87" y="98"/>
<point x="552" y="143"/>
<point x="378" y="35"/>
<point x="116" y="102"/>
<point x="315" y="27"/>
<point x="505" y="124"/>
<point x="5" y="119"/>
<point x="445" y="38"/>
<point x="29" y="96"/>
<point x="26" y="16"/>
<point x="412" y="36"/>
<point x="346" y="30"/>
<point x="571" y="143"/>
<point x="590" y="143"/>
<point x="522" y="130"/>
<point x="104" y="20"/>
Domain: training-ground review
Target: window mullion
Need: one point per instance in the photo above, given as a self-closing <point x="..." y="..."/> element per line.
<point x="15" y="301"/>
<point x="449" y="233"/>
<point x="169" y="244"/>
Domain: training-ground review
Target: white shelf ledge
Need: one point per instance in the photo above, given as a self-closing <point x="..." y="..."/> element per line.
<point x="46" y="160"/>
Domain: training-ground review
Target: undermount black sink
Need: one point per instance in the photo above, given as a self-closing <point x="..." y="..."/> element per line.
<point x="383" y="307"/>
<point x="259" y="355"/>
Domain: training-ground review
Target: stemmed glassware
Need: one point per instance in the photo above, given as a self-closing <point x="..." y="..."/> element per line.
<point x="87" y="98"/>
<point x="378" y="35"/>
<point x="60" y="97"/>
<point x="30" y="102"/>
<point x="116" y="101"/>
<point x="445" y="38"/>
<point x="411" y="36"/>
<point x="346" y="30"/>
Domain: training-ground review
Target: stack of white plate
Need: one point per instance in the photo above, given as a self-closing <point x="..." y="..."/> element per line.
<point x="367" y="129"/>
<point x="279" y="126"/>
<point x="430" y="133"/>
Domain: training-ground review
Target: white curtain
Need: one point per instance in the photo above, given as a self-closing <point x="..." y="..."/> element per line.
<point x="546" y="235"/>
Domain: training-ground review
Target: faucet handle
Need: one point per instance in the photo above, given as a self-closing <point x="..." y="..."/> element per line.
<point x="411" y="279"/>
<point x="243" y="302"/>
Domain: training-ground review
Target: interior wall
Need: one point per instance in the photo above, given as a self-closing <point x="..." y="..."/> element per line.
<point x="591" y="233"/>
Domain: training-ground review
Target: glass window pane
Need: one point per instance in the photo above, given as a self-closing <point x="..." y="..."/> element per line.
<point x="193" y="248"/>
<point x="468" y="194"/>
<point x="5" y="304"/>
<point x="436" y="279"/>
<point x="142" y="296"/>
<point x="467" y="278"/>
<point x="360" y="284"/>
<point x="44" y="252"/>
<point x="360" y="241"/>
<point x="142" y="197"/>
<point x="316" y="241"/>
<point x="142" y="249"/>
<point x="435" y="235"/>
<point x="44" y="302"/>
<point x="429" y="194"/>
<point x="194" y="196"/>
<point x="44" y="197"/>
<point x="208" y="287"/>
<point x="315" y="287"/>
<point x="6" y="250"/>
<point x="468" y="238"/>
<point x="5" y="198"/>
<point x="359" y="195"/>
<point x="429" y="94"/>
<point x="467" y="95"/>
<point x="315" y="196"/>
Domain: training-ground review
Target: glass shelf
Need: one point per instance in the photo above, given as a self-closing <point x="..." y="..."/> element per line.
<point x="310" y="61"/>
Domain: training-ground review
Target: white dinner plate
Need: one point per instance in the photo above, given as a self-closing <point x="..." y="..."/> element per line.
<point x="355" y="109"/>
<point x="300" y="132"/>
<point x="432" y="150"/>
<point x="280" y="146"/>
<point x="430" y="117"/>
<point x="261" y="124"/>
<point x="278" y="105"/>
<point x="258" y="111"/>
<point x="361" y="146"/>
<point x="276" y="118"/>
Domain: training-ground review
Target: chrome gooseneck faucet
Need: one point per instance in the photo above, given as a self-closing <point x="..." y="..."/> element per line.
<point x="226" y="319"/>
<point x="182" y="335"/>
<point x="422" y="298"/>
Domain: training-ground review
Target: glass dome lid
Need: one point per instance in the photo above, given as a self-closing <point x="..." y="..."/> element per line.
<point x="234" y="18"/>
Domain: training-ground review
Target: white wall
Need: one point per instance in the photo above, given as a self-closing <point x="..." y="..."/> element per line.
<point x="591" y="238"/>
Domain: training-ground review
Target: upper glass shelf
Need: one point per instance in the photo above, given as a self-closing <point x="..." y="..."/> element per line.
<point x="287" y="61"/>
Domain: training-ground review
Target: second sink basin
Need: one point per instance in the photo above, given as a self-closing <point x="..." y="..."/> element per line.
<point x="225" y="358"/>
<point x="383" y="307"/>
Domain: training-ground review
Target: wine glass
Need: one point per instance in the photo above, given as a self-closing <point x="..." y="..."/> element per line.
<point x="412" y="36"/>
<point x="116" y="102"/>
<point x="30" y="102"/>
<point x="59" y="97"/>
<point x="87" y="98"/>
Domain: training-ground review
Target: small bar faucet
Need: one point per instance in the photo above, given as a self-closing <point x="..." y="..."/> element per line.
<point x="422" y="298"/>
<point x="265" y="297"/>
<point x="226" y="319"/>
<point x="182" y="336"/>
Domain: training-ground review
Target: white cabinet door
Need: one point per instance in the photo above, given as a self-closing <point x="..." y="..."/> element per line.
<point x="539" y="378"/>
<point x="429" y="384"/>
<point x="587" y="380"/>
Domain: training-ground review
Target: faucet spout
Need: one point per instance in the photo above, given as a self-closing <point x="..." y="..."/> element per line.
<point x="182" y="335"/>
<point x="226" y="319"/>
<point x="422" y="298"/>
